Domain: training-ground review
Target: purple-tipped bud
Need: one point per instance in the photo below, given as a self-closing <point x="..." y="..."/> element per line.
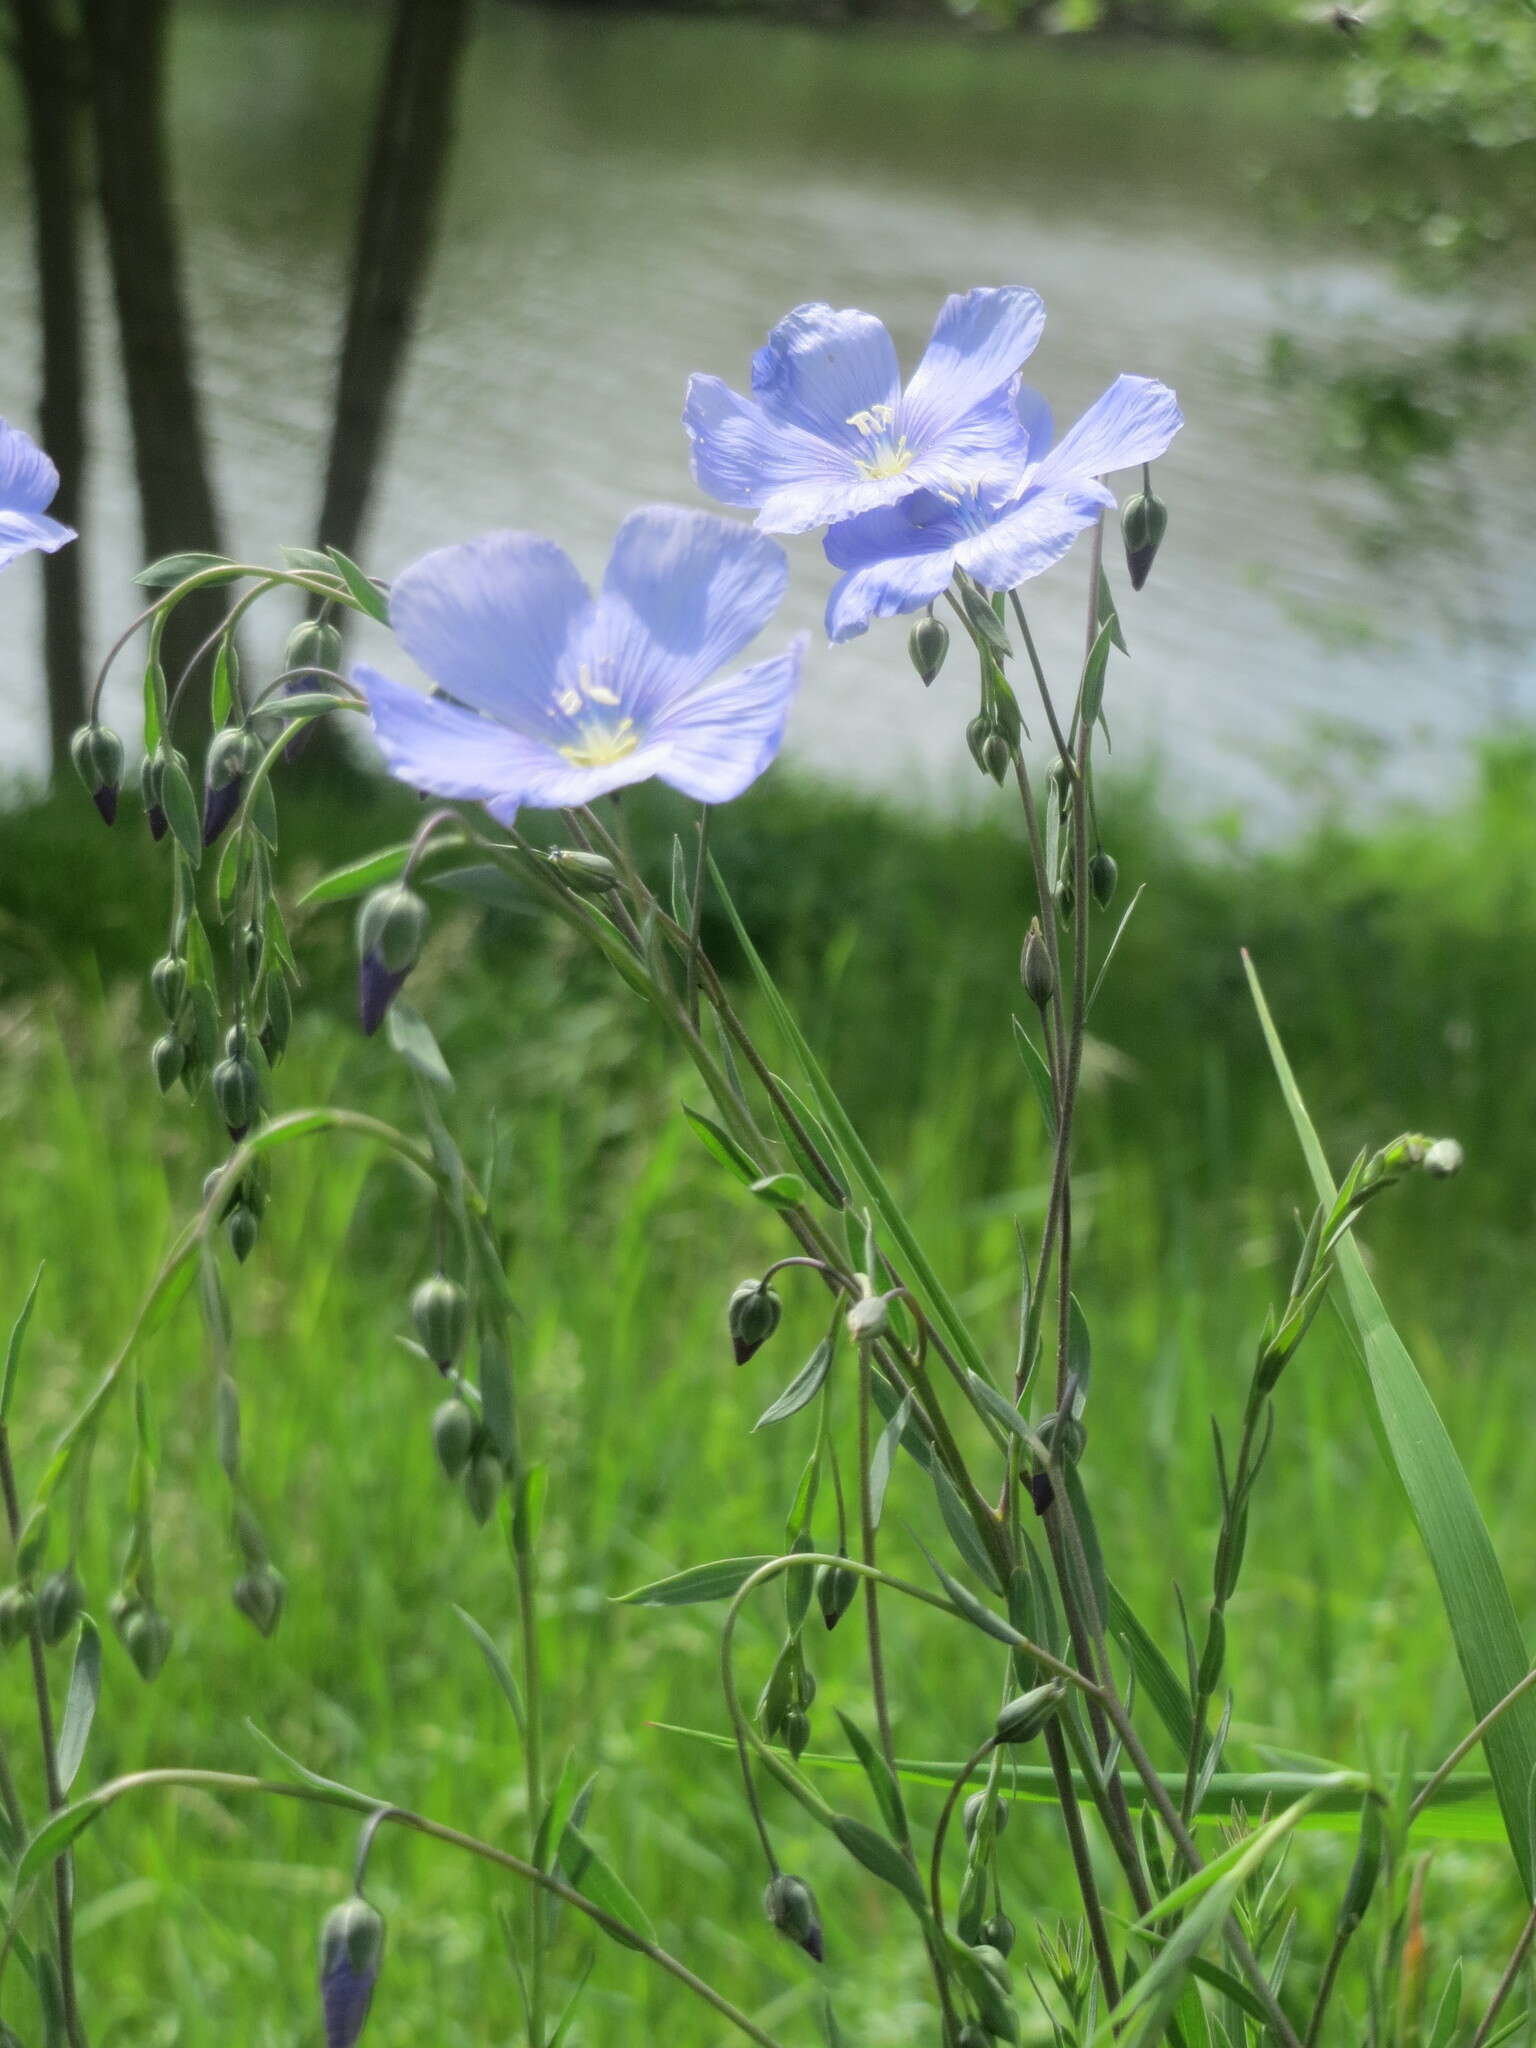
<point x="351" y="1951"/>
<point x="790" y="1905"/>
<point x="391" y="930"/>
<point x="237" y="1092"/>
<point x="927" y="645"/>
<point x="97" y="753"/>
<point x="1143" y="522"/>
<point x="836" y="1589"/>
<point x="753" y="1316"/>
<point x="219" y="806"/>
<point x="229" y="756"/>
<point x="310" y="645"/>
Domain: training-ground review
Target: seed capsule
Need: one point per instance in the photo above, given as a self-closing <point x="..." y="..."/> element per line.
<point x="440" y="1311"/>
<point x="1035" y="969"/>
<point x="927" y="644"/>
<point x="790" y="1905"/>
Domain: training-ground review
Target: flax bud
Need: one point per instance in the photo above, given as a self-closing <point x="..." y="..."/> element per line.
<point x="482" y="1484"/>
<point x="168" y="1057"/>
<point x="869" y="1319"/>
<point x="453" y="1437"/>
<point x="790" y="1905"/>
<point x="1143" y="522"/>
<point x="1035" y="969"/>
<point x="796" y="1732"/>
<point x="259" y="1594"/>
<point x="998" y="1932"/>
<point x="311" y="645"/>
<point x="974" y="1811"/>
<point x="278" y="1022"/>
<point x="927" y="644"/>
<point x="1023" y="1718"/>
<point x="60" y="1603"/>
<point x="18" y="1610"/>
<point x="146" y="1636"/>
<point x="1103" y="873"/>
<point x="589" y="874"/>
<point x="168" y="979"/>
<point x="97" y="753"/>
<point x="351" y="1952"/>
<point x="229" y="759"/>
<point x="996" y="757"/>
<point x="977" y="733"/>
<point x="391" y="931"/>
<point x="837" y="1588"/>
<point x="237" y="1093"/>
<point x="440" y="1311"/>
<point x="752" y="1316"/>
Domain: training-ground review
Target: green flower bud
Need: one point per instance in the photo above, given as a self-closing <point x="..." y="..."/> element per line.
<point x="836" y="1590"/>
<point x="279" y="1019"/>
<point x="168" y="1058"/>
<point x="482" y="1484"/>
<point x="440" y="1311"/>
<point x="97" y="753"/>
<point x="977" y="733"/>
<point x="168" y="979"/>
<point x="1068" y="1440"/>
<point x="998" y="1933"/>
<point x="973" y="2035"/>
<point x="391" y="931"/>
<point x="1022" y="1719"/>
<point x="453" y="1437"/>
<point x="1143" y="522"/>
<point x="796" y="1732"/>
<point x="237" y="1094"/>
<point x="1103" y="873"/>
<point x="752" y="1316"/>
<point x="312" y="645"/>
<point x="927" y="644"/>
<point x="869" y="1319"/>
<point x="18" y="1610"/>
<point x="242" y="1227"/>
<point x="259" y="1595"/>
<point x="790" y="1905"/>
<point x="589" y="874"/>
<point x="996" y="757"/>
<point x="1035" y="969"/>
<point x="975" y="1808"/>
<point x="1065" y="898"/>
<point x="351" y="1953"/>
<point x="146" y="1636"/>
<point x="994" y="1962"/>
<point x="60" y="1603"/>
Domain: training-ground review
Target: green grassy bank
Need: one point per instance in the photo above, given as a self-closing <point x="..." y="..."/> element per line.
<point x="1402" y="967"/>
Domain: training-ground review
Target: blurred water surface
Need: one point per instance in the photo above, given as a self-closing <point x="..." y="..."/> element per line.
<point x="635" y="197"/>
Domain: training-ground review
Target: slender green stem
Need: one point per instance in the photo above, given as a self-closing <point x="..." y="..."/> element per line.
<point x="941" y="1828"/>
<point x="1468" y="1743"/>
<point x="1082" y="1864"/>
<point x="877" y="1684"/>
<point x="1343" y="1934"/>
<point x="533" y="1767"/>
<point x="1506" y="1983"/>
<point x="696" y="916"/>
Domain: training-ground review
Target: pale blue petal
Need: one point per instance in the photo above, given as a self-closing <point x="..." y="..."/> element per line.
<point x="824" y="502"/>
<point x="28" y="479"/>
<point x="1034" y="411"/>
<point x="1132" y="422"/>
<point x="820" y="369"/>
<point x="739" y="455"/>
<point x="715" y="742"/>
<point x="1032" y="537"/>
<point x="490" y="620"/>
<point x="440" y="747"/>
<point x="684" y="593"/>
<point x="979" y="341"/>
<point x="886" y="586"/>
<point x="989" y="443"/>
<point x="904" y="529"/>
<point x="22" y="531"/>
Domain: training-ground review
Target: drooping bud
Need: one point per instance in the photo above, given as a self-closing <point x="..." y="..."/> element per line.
<point x="391" y="930"/>
<point x="998" y="1932"/>
<point x="976" y="1806"/>
<point x="1103" y="873"/>
<point x="351" y="1952"/>
<point x="311" y="646"/>
<point x="97" y="753"/>
<point x="1143" y="522"/>
<point x="168" y="979"/>
<point x="229" y="757"/>
<point x="928" y="643"/>
<point x="453" y="1437"/>
<point x="259" y="1595"/>
<point x="1444" y="1158"/>
<point x="1035" y="969"/>
<point x="482" y="1484"/>
<point x="977" y="733"/>
<point x="60" y="1603"/>
<point x="168" y="1056"/>
<point x="1066" y="1440"/>
<point x="790" y="1905"/>
<point x="151" y="769"/>
<point x="237" y="1093"/>
<point x="753" y="1316"/>
<point x="242" y="1226"/>
<point x="1065" y="898"/>
<point x="278" y="1023"/>
<point x="18" y="1610"/>
<point x="146" y="1636"/>
<point x="440" y="1311"/>
<point x="1022" y="1719"/>
<point x="996" y="757"/>
<point x="796" y="1732"/>
<point x="869" y="1319"/>
<point x="837" y="1587"/>
<point x="589" y="874"/>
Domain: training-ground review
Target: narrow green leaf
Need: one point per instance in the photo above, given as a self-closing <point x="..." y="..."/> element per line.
<point x="780" y="1190"/>
<point x="881" y="1858"/>
<point x="802" y="1389"/>
<point x="1484" y="1626"/>
<point x="498" y="1667"/>
<point x="411" y="1036"/>
<point x="180" y="808"/>
<point x="721" y="1146"/>
<point x="962" y="1529"/>
<point x="358" y="876"/>
<point x="882" y="1781"/>
<point x="596" y="1879"/>
<point x="720" y="1580"/>
<point x="14" y="1344"/>
<point x="1154" y="1674"/>
<point x="497" y="1395"/>
<point x="883" y="1457"/>
<point x="1108" y="612"/>
<point x="367" y="598"/>
<point x="54" y="1837"/>
<point x="975" y="1611"/>
<point x="308" y="559"/>
<point x="80" y="1702"/>
<point x="1039" y="1074"/>
<point x="173" y="569"/>
<point x="1091" y="690"/>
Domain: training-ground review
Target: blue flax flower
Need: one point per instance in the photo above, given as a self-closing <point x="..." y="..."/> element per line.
<point x="28" y="481"/>
<point x="829" y="432"/>
<point x="1000" y="529"/>
<point x="547" y="696"/>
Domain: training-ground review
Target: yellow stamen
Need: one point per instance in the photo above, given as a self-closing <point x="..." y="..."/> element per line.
<point x="601" y="745"/>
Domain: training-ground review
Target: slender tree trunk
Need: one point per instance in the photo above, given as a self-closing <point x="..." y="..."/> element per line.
<point x="48" y="60"/>
<point x="126" y="44"/>
<point x="396" y="228"/>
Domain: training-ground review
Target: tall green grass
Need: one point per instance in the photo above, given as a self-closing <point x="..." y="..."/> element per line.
<point x="1401" y="965"/>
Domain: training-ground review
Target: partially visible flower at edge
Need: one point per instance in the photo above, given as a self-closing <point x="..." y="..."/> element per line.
<point x="829" y="432"/>
<point x="1001" y="533"/>
<point x="548" y="697"/>
<point x="28" y="481"/>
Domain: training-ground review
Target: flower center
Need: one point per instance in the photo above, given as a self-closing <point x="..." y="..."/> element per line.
<point x="600" y="743"/>
<point x="888" y="454"/>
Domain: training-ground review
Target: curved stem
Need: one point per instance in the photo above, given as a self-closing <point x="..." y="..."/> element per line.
<point x="941" y="1829"/>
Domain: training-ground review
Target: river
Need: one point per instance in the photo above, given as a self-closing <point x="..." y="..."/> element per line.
<point x="636" y="197"/>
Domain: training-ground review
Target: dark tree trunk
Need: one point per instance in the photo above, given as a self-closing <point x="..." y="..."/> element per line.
<point x="395" y="231"/>
<point x="126" y="44"/>
<point x="48" y="60"/>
